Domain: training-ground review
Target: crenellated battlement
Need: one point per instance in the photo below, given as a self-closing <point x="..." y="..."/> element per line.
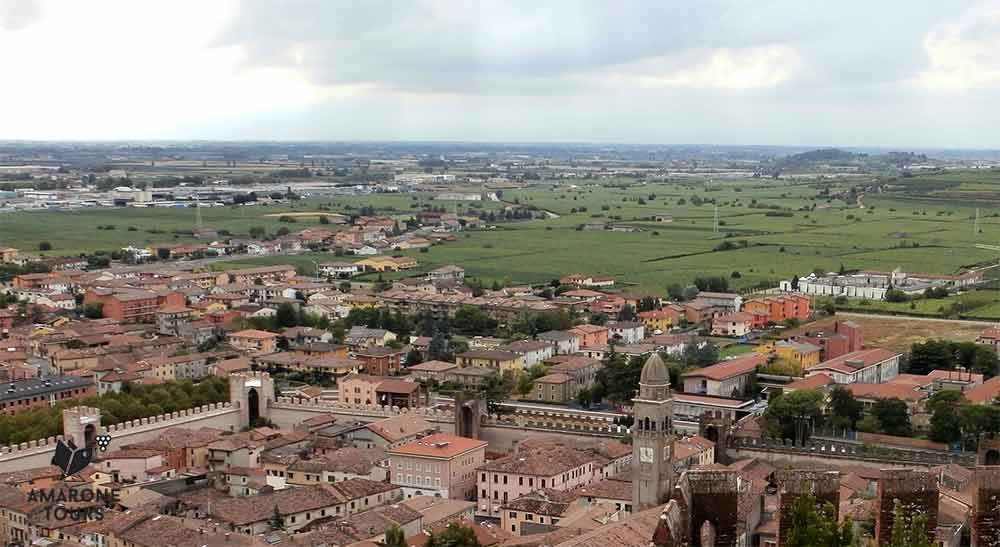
<point x="164" y="419"/>
<point x="92" y="415"/>
<point x="48" y="443"/>
<point x="292" y="403"/>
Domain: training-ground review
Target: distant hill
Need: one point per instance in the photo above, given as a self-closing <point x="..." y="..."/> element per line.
<point x="836" y="157"/>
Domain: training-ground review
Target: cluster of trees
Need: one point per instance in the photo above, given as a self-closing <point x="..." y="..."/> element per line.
<point x="531" y="324"/>
<point x="287" y="315"/>
<point x="949" y="355"/>
<point x="619" y="378"/>
<point x="10" y="271"/>
<point x="815" y="524"/>
<point x="955" y="420"/>
<point x="793" y="415"/>
<point x="712" y="283"/>
<point x="887" y="416"/>
<point x="514" y="213"/>
<point x="134" y="402"/>
<point x="896" y="295"/>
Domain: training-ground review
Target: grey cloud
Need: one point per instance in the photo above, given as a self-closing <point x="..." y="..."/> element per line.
<point x="496" y="47"/>
<point x="19" y="14"/>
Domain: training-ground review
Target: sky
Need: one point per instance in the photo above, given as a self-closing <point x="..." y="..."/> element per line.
<point x="892" y="73"/>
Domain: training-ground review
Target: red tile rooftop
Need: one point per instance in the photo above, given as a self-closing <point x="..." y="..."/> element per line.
<point x="886" y="391"/>
<point x="863" y="358"/>
<point x="985" y="393"/>
<point x="728" y="369"/>
<point x="815" y="381"/>
<point x="439" y="445"/>
<point x="254" y="333"/>
<point x="709" y="400"/>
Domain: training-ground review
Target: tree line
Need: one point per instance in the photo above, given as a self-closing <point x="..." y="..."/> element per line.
<point x="135" y="401"/>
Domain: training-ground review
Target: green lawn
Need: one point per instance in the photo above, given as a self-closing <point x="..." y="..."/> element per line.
<point x="734" y="350"/>
<point x="977" y="303"/>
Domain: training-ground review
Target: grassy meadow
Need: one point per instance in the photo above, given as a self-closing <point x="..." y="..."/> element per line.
<point x="922" y="224"/>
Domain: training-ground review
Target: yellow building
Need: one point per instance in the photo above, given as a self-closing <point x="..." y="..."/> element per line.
<point x="805" y="355"/>
<point x="504" y="362"/>
<point x="656" y="320"/>
<point x="359" y="301"/>
<point x="386" y="264"/>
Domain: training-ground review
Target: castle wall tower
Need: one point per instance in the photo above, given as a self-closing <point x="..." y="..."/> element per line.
<point x="652" y="437"/>
<point x="915" y="490"/>
<point x="468" y="415"/>
<point x="253" y="393"/>
<point x="81" y="424"/>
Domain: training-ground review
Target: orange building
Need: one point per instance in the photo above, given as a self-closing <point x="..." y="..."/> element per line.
<point x="131" y="305"/>
<point x="779" y="308"/>
<point x="255" y="341"/>
<point x="591" y="335"/>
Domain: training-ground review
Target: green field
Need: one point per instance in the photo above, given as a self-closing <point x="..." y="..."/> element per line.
<point x="921" y="224"/>
<point x="983" y="304"/>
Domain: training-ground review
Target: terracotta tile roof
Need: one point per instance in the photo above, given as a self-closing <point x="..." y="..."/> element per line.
<point x="247" y="510"/>
<point x="609" y="489"/>
<point x="400" y="427"/>
<point x="754" y="469"/>
<point x="254" y="333"/>
<point x="436" y="509"/>
<point x="985" y="393"/>
<point x="728" y="369"/>
<point x="541" y="503"/>
<point x="545" y="462"/>
<point x="439" y="445"/>
<point x="493" y="355"/>
<point x="358" y="461"/>
<point x="397" y="386"/>
<point x="886" y="391"/>
<point x="556" y="378"/>
<point x="856" y="360"/>
<point x="374" y="523"/>
<point x="131" y="454"/>
<point x="433" y="366"/>
<point x="634" y="531"/>
<point x="816" y="381"/>
<point x="710" y="400"/>
<point x="689" y="446"/>
<point x="359" y="488"/>
<point x="588" y="329"/>
<point x="165" y="530"/>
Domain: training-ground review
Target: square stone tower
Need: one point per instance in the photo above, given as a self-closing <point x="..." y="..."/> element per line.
<point x="652" y="437"/>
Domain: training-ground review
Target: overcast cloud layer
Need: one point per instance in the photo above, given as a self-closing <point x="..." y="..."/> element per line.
<point x="893" y="73"/>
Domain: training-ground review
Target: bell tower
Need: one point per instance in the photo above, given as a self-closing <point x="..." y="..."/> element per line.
<point x="652" y="437"/>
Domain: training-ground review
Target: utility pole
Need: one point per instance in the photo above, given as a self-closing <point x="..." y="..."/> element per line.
<point x="975" y="225"/>
<point x="716" y="226"/>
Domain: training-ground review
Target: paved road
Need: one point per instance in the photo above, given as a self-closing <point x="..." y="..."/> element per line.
<point x="907" y="317"/>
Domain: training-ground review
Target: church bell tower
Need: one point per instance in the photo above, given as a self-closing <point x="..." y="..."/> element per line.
<point x="652" y="437"/>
